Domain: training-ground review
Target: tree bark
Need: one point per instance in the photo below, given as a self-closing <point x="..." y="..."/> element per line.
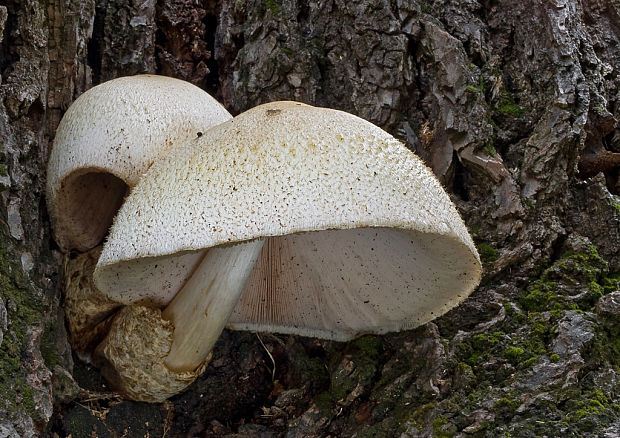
<point x="514" y="106"/>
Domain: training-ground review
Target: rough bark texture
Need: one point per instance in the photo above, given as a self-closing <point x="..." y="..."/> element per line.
<point x="514" y="105"/>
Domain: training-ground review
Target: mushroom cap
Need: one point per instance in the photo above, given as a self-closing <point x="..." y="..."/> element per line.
<point x="107" y="140"/>
<point x="361" y="236"/>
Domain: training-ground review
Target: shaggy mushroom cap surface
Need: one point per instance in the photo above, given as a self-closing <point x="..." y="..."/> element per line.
<point x="360" y="236"/>
<point x="107" y="140"/>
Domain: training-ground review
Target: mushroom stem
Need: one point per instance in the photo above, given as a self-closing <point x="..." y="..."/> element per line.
<point x="201" y="309"/>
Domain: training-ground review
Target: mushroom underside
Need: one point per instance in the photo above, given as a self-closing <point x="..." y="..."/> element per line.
<point x="332" y="284"/>
<point x="89" y="200"/>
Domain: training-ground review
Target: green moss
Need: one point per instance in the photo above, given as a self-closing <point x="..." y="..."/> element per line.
<point x="324" y="401"/>
<point x="572" y="270"/>
<point x="490" y="149"/>
<point x="507" y="404"/>
<point x="610" y="283"/>
<point x="595" y="291"/>
<point x="507" y="106"/>
<point x="529" y="362"/>
<point x="472" y="89"/>
<point x="540" y="296"/>
<point x="364" y="353"/>
<point x="442" y="428"/>
<point x="541" y="333"/>
<point x="482" y="378"/>
<point x="478" y="348"/>
<point x="582" y="266"/>
<point x="273" y="6"/>
<point x="508" y="308"/>
<point x="418" y="416"/>
<point x="23" y="313"/>
<point x="4" y="171"/>
<point x="513" y="354"/>
<point x="288" y="52"/>
<point x="369" y="346"/>
<point x="594" y="407"/>
<point x="511" y="109"/>
<point x="530" y="334"/>
<point x="488" y="254"/>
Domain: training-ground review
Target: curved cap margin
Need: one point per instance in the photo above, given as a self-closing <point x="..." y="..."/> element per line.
<point x="114" y="132"/>
<point x="279" y="169"/>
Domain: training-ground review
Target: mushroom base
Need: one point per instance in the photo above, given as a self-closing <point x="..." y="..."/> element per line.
<point x="132" y="356"/>
<point x="89" y="312"/>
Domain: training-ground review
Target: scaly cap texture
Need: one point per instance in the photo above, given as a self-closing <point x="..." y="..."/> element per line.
<point x="393" y="252"/>
<point x="107" y="140"/>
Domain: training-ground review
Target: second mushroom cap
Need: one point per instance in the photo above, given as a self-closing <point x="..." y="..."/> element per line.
<point x="107" y="140"/>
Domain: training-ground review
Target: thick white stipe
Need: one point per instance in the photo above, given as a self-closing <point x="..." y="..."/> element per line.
<point x="201" y="309"/>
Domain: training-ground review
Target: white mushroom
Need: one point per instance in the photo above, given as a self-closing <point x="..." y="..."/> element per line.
<point x="360" y="238"/>
<point x="105" y="142"/>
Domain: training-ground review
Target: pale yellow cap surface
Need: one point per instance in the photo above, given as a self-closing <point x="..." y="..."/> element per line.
<point x="396" y="253"/>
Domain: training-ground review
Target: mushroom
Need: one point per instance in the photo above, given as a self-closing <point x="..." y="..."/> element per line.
<point x="107" y="139"/>
<point x="290" y="218"/>
<point x="104" y="143"/>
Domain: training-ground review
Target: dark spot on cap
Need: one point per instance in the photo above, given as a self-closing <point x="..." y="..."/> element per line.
<point x="199" y="134"/>
<point x="273" y="112"/>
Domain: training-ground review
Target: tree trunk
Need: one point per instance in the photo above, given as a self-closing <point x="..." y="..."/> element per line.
<point x="514" y="106"/>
